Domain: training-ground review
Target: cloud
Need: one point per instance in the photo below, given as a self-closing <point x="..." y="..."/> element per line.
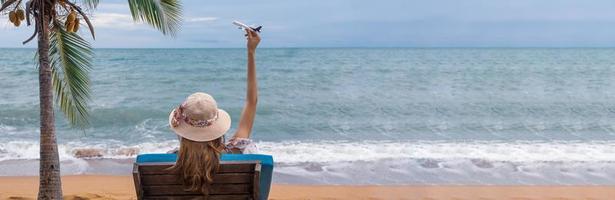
<point x="344" y="23"/>
<point x="115" y="7"/>
<point x="125" y="22"/>
<point x="201" y="19"/>
<point x="115" y="21"/>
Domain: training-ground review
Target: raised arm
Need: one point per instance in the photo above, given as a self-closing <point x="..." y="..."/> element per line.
<point x="249" y="110"/>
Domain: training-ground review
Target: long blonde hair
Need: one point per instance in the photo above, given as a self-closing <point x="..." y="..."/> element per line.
<point x="197" y="162"/>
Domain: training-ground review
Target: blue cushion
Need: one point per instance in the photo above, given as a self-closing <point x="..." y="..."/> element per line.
<point x="266" y="165"/>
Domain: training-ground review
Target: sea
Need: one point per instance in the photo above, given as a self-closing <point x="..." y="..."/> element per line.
<point x="350" y="116"/>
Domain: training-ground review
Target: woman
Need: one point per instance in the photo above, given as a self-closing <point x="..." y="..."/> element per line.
<point x="200" y="126"/>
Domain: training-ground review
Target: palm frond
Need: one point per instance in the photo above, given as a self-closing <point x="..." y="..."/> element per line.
<point x="6" y="3"/>
<point x="71" y="60"/>
<point x="164" y="15"/>
<point x="90" y="4"/>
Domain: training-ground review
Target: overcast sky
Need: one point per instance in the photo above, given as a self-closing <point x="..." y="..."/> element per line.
<point x="361" y="23"/>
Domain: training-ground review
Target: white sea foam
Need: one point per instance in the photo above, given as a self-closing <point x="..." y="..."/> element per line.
<point x="379" y="162"/>
<point x="26" y="150"/>
<point x="6" y="128"/>
<point x="331" y="151"/>
<point x="347" y="151"/>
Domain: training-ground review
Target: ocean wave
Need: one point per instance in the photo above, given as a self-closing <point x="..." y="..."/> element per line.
<point x="479" y="152"/>
<point x="7" y="128"/>
<point x="28" y="150"/>
<point x="378" y="162"/>
<point x="519" y="151"/>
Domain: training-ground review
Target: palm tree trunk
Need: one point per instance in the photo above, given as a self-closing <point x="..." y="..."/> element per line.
<point x="50" y="186"/>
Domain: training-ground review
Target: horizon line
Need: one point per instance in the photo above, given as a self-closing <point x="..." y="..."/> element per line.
<point x="363" y="47"/>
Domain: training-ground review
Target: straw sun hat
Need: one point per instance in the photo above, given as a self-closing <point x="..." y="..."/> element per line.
<point x="199" y="119"/>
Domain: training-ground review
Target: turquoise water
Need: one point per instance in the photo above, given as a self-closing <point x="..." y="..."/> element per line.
<point x="412" y="115"/>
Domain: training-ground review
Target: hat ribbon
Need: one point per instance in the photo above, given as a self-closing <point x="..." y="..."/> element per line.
<point x="179" y="116"/>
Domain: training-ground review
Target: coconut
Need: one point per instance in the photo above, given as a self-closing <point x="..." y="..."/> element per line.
<point x="76" y="27"/>
<point x="17" y="23"/>
<point x="70" y="26"/>
<point x="71" y="17"/>
<point x="12" y="16"/>
<point x="21" y="14"/>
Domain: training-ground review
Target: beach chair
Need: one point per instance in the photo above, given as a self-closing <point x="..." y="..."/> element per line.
<point x="241" y="176"/>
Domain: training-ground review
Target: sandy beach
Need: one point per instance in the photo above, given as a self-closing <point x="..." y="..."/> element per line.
<point x="325" y="100"/>
<point x="121" y="187"/>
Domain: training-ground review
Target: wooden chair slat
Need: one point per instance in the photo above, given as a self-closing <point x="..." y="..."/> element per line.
<point x="226" y="168"/>
<point x="213" y="190"/>
<point x="229" y="197"/>
<point x="201" y="197"/>
<point x="137" y="180"/>
<point x="234" y="180"/>
<point x="171" y="179"/>
<point x="187" y="197"/>
<point x="256" y="182"/>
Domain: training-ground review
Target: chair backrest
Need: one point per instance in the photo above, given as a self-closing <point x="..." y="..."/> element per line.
<point x="234" y="180"/>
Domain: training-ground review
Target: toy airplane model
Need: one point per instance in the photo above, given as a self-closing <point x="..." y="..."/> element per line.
<point x="244" y="26"/>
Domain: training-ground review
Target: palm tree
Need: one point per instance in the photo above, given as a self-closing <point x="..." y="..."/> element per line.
<point x="65" y="60"/>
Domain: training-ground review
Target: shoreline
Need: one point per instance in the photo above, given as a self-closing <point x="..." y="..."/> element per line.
<point x="408" y="162"/>
<point x="121" y="187"/>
